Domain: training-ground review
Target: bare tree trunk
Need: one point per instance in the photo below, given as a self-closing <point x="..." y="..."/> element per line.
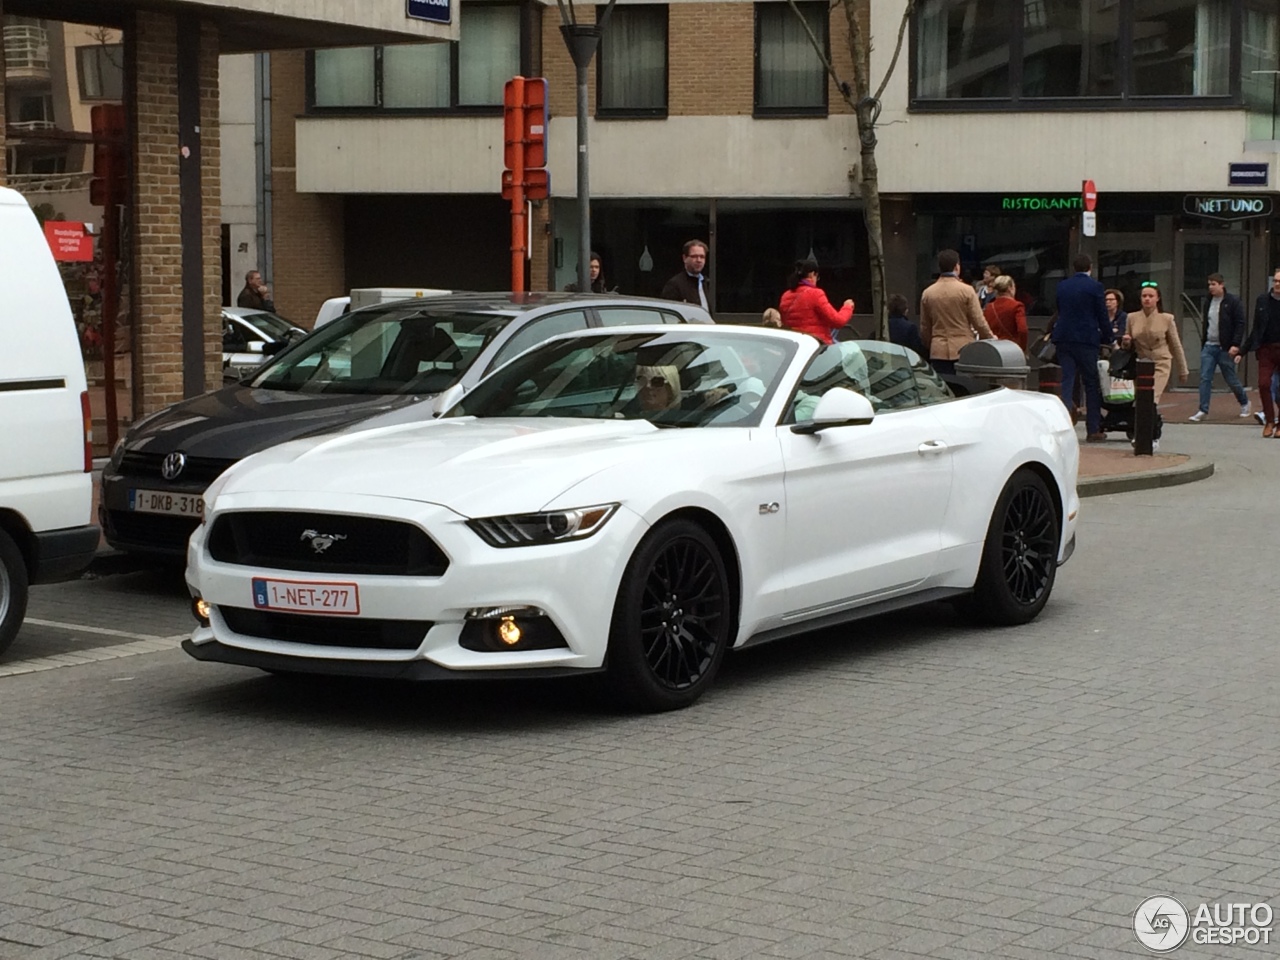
<point x="867" y="110"/>
<point x="866" y="105"/>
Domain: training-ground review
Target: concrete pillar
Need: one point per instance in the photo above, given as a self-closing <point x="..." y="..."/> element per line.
<point x="158" y="279"/>
<point x="4" y="153"/>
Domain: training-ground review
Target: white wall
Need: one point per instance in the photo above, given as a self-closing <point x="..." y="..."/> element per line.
<point x="239" y="167"/>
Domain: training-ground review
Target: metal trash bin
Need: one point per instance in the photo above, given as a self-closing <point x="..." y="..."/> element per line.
<point x="1000" y="362"/>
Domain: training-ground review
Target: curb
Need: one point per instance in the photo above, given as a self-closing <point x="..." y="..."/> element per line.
<point x="1188" y="472"/>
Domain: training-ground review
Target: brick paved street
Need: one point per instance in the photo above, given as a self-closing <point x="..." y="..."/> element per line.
<point x="906" y="788"/>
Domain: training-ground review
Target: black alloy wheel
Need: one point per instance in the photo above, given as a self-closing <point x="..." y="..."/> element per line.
<point x="1020" y="556"/>
<point x="672" y="619"/>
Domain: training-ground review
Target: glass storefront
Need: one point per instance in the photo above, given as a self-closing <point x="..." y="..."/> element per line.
<point x="1142" y="237"/>
<point x="754" y="245"/>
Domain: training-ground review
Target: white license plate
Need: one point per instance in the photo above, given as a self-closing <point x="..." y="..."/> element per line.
<point x="159" y="501"/>
<point x="308" y="596"/>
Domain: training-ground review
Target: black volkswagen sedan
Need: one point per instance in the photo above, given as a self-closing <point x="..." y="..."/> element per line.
<point x="367" y="362"/>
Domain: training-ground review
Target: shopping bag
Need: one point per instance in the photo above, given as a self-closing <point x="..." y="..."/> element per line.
<point x="1114" y="389"/>
<point x="1044" y="350"/>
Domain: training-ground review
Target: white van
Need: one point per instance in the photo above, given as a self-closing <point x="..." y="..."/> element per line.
<point x="46" y="454"/>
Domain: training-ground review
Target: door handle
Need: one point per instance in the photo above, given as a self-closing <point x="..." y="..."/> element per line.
<point x="931" y="446"/>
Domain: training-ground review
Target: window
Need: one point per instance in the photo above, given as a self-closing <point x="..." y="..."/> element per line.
<point x="790" y="77"/>
<point x="881" y="372"/>
<point x="543" y="328"/>
<point x="101" y="70"/>
<point x="1260" y="69"/>
<point x="626" y="316"/>
<point x="1074" y="53"/>
<point x="631" y="74"/>
<point x="469" y="74"/>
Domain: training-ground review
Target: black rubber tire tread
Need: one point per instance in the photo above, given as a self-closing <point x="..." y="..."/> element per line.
<point x="683" y="548"/>
<point x="1021" y="546"/>
<point x="13" y="590"/>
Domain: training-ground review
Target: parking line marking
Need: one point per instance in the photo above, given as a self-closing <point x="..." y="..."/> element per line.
<point x="96" y="655"/>
<point x="101" y="631"/>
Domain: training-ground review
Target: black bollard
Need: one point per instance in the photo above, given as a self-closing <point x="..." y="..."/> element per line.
<point x="1049" y="378"/>
<point x="1144" y="407"/>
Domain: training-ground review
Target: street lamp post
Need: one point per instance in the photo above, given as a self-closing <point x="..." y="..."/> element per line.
<point x="582" y="39"/>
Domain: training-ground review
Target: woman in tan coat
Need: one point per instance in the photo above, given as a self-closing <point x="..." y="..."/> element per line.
<point x="1154" y="336"/>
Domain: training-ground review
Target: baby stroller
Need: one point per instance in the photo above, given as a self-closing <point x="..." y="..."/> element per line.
<point x="1117" y="376"/>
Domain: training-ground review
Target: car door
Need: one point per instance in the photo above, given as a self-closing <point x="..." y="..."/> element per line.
<point x="865" y="503"/>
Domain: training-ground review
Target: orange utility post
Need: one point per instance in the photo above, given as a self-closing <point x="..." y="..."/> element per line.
<point x="525" y="157"/>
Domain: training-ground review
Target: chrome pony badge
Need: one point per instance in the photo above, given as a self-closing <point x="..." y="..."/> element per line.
<point x="173" y="465"/>
<point x="320" y="542"/>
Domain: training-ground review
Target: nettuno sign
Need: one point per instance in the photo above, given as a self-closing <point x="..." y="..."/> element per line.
<point x="1032" y="204"/>
<point x="1228" y="207"/>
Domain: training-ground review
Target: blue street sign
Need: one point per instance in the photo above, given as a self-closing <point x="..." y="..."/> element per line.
<point x="436" y="11"/>
<point x="1248" y="174"/>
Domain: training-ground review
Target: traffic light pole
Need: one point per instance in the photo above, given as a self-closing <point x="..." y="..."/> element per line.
<point x="518" y="230"/>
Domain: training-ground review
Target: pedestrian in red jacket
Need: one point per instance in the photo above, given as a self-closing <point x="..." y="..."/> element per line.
<point x="806" y="309"/>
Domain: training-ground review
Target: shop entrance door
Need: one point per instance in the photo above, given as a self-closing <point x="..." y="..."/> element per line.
<point x="1198" y="255"/>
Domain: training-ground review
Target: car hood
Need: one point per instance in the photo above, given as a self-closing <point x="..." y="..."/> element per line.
<point x="236" y="421"/>
<point x="474" y="467"/>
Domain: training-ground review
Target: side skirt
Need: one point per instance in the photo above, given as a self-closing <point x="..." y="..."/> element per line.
<point x="855" y="613"/>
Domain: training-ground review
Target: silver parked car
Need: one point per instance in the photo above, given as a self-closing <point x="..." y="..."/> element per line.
<point x="249" y="336"/>
<point x="366" y="362"/>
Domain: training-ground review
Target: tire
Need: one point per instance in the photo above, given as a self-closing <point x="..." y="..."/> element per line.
<point x="1020" y="554"/>
<point x="671" y="621"/>
<point x="13" y="590"/>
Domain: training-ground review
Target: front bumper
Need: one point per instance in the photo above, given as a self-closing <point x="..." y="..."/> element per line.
<point x="415" y="670"/>
<point x="64" y="554"/>
<point x="575" y="583"/>
<point x="152" y="534"/>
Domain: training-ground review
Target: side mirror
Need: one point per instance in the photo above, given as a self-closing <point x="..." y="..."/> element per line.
<point x="255" y="346"/>
<point x="838" y="407"/>
<point x="443" y="401"/>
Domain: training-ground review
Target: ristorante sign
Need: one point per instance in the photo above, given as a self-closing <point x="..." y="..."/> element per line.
<point x="1228" y="207"/>
<point x="1034" y="204"/>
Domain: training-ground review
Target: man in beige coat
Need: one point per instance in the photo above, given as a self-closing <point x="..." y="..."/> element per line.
<point x="950" y="315"/>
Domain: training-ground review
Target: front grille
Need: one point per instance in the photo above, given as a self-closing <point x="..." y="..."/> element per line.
<point x="152" y="529"/>
<point x="356" y="545"/>
<point x="199" y="470"/>
<point x="327" y="631"/>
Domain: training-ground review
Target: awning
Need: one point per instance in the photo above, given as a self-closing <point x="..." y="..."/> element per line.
<point x="247" y="26"/>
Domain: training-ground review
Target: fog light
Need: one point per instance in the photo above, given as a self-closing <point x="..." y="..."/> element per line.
<point x="509" y="631"/>
<point x="200" y="609"/>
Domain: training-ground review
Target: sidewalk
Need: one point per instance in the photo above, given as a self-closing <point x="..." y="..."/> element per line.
<point x="1111" y="467"/>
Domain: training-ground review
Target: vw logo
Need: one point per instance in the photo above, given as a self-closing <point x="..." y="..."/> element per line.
<point x="173" y="465"/>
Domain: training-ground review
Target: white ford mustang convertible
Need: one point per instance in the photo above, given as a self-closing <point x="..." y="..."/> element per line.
<point x="636" y="502"/>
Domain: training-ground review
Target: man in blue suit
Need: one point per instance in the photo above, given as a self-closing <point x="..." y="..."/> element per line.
<point x="1081" y="327"/>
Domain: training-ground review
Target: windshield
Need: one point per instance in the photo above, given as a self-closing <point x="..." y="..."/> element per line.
<point x="397" y="350"/>
<point x="276" y="328"/>
<point x="670" y="379"/>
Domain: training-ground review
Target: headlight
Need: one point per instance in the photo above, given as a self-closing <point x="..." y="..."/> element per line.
<point x="534" y="529"/>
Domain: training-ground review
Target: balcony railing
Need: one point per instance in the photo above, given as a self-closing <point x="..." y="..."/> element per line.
<point x="32" y="126"/>
<point x="26" y="48"/>
<point x="29" y="183"/>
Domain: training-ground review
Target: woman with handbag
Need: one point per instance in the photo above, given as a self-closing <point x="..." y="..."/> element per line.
<point x="1005" y="315"/>
<point x="1153" y="335"/>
